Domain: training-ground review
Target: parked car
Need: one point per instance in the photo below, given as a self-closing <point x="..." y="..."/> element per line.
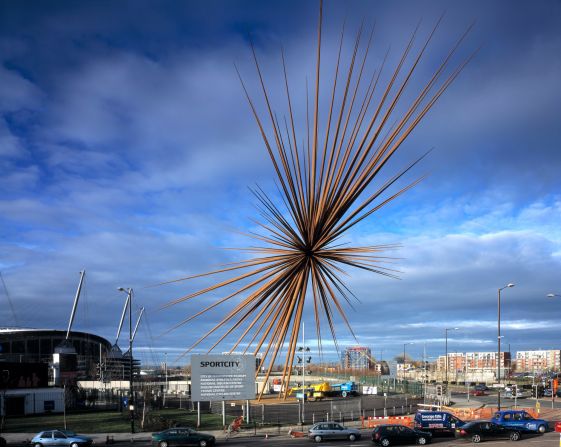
<point x="182" y="436"/>
<point x="481" y="387"/>
<point x="60" y="438"/>
<point x="547" y="392"/>
<point x="519" y="420"/>
<point x="437" y="422"/>
<point x="478" y="431"/>
<point x="389" y="434"/>
<point x="332" y="430"/>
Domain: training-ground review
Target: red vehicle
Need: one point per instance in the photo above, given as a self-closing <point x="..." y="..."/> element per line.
<point x="478" y="393"/>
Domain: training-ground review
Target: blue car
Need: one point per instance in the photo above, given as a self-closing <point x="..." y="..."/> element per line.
<point x="64" y="438"/>
<point x="520" y="420"/>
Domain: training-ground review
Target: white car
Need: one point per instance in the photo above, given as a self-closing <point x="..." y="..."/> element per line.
<point x="520" y="394"/>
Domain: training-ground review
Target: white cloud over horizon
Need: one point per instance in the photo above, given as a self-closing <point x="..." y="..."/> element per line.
<point x="128" y="152"/>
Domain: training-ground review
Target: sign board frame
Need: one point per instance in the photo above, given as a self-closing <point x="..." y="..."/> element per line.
<point x="222" y="377"/>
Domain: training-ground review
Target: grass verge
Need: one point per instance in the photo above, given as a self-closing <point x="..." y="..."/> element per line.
<point x="109" y="421"/>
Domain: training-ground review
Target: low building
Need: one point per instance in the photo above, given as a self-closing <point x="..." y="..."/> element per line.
<point x="26" y="401"/>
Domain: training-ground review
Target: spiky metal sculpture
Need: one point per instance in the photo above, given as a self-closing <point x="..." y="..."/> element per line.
<point x="324" y="186"/>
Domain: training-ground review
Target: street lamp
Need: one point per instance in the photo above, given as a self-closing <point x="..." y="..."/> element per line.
<point x="499" y="343"/>
<point x="553" y="295"/>
<point x="405" y="344"/>
<point x="131" y="395"/>
<point x="446" y="359"/>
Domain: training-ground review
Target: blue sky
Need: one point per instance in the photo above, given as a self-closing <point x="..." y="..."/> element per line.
<point x="127" y="147"/>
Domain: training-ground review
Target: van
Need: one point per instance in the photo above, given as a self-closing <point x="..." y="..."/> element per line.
<point x="437" y="421"/>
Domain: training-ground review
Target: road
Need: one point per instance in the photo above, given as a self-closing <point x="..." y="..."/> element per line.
<point x="491" y="400"/>
<point x="549" y="439"/>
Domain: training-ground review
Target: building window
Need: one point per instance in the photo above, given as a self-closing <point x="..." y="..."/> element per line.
<point x="49" y="405"/>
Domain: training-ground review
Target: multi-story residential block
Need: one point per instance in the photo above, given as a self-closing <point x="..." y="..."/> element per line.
<point x="540" y="360"/>
<point x="473" y="361"/>
<point x="357" y="357"/>
<point x="487" y="360"/>
<point x="456" y="362"/>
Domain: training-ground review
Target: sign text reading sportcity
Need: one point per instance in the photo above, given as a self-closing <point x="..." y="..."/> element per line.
<point x="220" y="364"/>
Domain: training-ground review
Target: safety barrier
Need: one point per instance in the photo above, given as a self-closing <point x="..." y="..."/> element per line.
<point x="470" y="414"/>
<point x="371" y="421"/>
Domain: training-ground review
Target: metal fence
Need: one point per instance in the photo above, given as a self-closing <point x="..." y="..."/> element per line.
<point x="310" y="412"/>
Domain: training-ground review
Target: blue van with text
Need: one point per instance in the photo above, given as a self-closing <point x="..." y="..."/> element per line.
<point x="437" y="422"/>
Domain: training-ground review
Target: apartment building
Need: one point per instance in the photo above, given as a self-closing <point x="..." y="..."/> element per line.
<point x="540" y="360"/>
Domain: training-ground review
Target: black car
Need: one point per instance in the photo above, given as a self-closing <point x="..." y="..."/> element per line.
<point x="478" y="431"/>
<point x="386" y="435"/>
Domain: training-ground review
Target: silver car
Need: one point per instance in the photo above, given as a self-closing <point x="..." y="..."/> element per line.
<point x="332" y="430"/>
<point x="63" y="438"/>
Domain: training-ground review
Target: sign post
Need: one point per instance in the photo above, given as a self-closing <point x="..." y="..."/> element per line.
<point x="222" y="378"/>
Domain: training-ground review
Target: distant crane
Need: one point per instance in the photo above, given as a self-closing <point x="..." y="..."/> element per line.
<point x="9" y="301"/>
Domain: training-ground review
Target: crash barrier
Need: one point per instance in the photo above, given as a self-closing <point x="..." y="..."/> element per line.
<point x="465" y="414"/>
<point x="371" y="422"/>
<point x="296" y="434"/>
<point x="469" y="414"/>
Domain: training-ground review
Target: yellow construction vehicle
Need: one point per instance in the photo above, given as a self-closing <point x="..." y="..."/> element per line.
<point x="313" y="391"/>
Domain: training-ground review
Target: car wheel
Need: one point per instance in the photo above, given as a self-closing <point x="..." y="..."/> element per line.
<point x="317" y="438"/>
<point x="202" y="443"/>
<point x="476" y="438"/>
<point x="385" y="442"/>
<point x="352" y="437"/>
<point x="74" y="444"/>
<point x="163" y="444"/>
<point x="37" y="444"/>
<point x="422" y="440"/>
<point x="515" y="436"/>
<point x="541" y="429"/>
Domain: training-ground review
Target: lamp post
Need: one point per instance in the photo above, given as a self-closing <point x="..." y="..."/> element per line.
<point x="553" y="295"/>
<point x="131" y="395"/>
<point x="303" y="360"/>
<point x="403" y="368"/>
<point x="446" y="347"/>
<point x="499" y="343"/>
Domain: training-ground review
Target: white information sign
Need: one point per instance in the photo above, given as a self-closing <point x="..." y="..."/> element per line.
<point x="222" y="377"/>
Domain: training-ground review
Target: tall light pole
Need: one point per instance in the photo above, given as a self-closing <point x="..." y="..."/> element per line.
<point x="446" y="347"/>
<point x="403" y="369"/>
<point x="553" y="295"/>
<point x="131" y="394"/>
<point x="499" y="343"/>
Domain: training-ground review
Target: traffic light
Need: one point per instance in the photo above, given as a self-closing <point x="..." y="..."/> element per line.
<point x="4" y="379"/>
<point x="439" y="390"/>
